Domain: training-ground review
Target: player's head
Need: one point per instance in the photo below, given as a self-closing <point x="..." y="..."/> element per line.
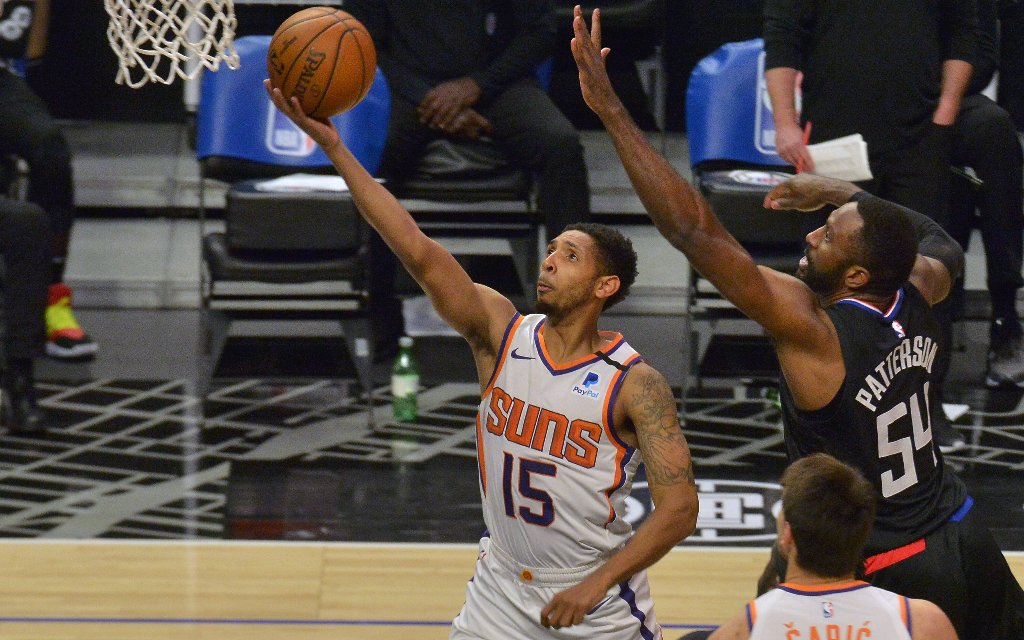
<point x="888" y="245"/>
<point x="865" y="247"/>
<point x="828" y="509"/>
<point x="584" y="261"/>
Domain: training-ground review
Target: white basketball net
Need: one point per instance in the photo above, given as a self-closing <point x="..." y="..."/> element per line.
<point x="159" y="40"/>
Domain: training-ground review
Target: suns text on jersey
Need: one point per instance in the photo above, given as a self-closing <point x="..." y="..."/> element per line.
<point x="919" y="352"/>
<point x="541" y="429"/>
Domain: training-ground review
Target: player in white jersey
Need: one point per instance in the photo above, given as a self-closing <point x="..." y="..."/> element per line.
<point x="568" y="412"/>
<point x="827" y="512"/>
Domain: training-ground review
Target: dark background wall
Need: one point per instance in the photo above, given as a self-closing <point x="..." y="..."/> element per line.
<point x="77" y="76"/>
<point x="696" y="28"/>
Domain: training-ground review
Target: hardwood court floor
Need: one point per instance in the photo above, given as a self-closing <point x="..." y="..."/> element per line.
<point x="204" y="590"/>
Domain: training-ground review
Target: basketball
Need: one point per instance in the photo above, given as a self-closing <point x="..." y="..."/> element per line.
<point x="325" y="57"/>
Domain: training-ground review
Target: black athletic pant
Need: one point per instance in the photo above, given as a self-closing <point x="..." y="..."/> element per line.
<point x="963" y="571"/>
<point x="986" y="141"/>
<point x="1011" y="60"/>
<point x="28" y="130"/>
<point x="25" y="246"/>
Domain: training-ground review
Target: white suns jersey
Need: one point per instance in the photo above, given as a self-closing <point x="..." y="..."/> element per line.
<point x="554" y="475"/>
<point x="854" y="610"/>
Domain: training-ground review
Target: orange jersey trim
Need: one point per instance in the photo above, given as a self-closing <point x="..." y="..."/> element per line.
<point x="621" y="449"/>
<point x="506" y="343"/>
<point x="481" y="463"/>
<point x="558" y="367"/>
<point x="842" y="586"/>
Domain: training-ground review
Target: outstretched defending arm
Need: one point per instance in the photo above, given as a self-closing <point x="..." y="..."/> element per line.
<point x="783" y="305"/>
<point x="478" y="313"/>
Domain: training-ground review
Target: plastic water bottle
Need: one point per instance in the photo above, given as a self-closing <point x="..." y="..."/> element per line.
<point x="405" y="382"/>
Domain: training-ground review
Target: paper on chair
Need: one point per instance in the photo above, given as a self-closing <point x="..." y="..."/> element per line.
<point x="304" y="182"/>
<point x="845" y="158"/>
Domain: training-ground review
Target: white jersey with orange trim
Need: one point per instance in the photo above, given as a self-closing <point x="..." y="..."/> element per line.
<point x="554" y="475"/>
<point x="853" y="610"/>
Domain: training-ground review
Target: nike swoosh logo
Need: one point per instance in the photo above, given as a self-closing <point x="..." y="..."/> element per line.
<point x="600" y="604"/>
<point x="515" y="354"/>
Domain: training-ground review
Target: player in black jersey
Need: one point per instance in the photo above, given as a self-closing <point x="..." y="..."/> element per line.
<point x="856" y="342"/>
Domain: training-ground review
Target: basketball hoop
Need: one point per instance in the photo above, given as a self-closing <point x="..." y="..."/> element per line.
<point x="159" y="40"/>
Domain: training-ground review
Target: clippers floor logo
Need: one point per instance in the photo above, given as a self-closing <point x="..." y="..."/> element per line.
<point x="589" y="381"/>
<point x="284" y="137"/>
<point x="731" y="511"/>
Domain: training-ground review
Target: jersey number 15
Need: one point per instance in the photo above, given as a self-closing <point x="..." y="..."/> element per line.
<point x="527" y="469"/>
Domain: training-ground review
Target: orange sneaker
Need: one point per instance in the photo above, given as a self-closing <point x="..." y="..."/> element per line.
<point x="64" y="337"/>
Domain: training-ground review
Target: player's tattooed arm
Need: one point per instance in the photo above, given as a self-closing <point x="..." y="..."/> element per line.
<point x="651" y="408"/>
<point x="646" y="401"/>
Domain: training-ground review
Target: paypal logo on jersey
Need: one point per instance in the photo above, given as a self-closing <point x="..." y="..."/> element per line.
<point x="590" y="380"/>
<point x="284" y="137"/>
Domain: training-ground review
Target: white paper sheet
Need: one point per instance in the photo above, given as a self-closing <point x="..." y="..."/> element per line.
<point x="845" y="158"/>
<point x="304" y="182"/>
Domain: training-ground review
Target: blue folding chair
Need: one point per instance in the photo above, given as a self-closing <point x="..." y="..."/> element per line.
<point x="282" y="254"/>
<point x="731" y="133"/>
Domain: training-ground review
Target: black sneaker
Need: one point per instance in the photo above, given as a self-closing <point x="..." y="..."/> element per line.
<point x="19" y="410"/>
<point x="1006" y="354"/>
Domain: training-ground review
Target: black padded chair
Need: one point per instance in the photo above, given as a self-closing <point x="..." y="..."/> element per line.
<point x="286" y="258"/>
<point x="470" y="189"/>
<point x="283" y="254"/>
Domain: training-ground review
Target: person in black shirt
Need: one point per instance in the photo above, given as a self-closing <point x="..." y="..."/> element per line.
<point x="25" y="248"/>
<point x="857" y="345"/>
<point x="29" y="131"/>
<point x="893" y="72"/>
<point x="467" y="70"/>
<point x="986" y="141"/>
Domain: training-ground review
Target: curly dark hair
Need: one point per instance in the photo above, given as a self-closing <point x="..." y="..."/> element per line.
<point x="615" y="254"/>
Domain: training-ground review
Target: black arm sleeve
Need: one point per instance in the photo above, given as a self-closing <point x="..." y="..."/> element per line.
<point x="932" y="240"/>
<point x="960" y="25"/>
<point x="986" y="60"/>
<point x="785" y="33"/>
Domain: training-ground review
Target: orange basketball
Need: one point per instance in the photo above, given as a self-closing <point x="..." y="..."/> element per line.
<point x="325" y="57"/>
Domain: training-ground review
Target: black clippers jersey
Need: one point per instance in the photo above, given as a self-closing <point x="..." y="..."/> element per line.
<point x="879" y="421"/>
